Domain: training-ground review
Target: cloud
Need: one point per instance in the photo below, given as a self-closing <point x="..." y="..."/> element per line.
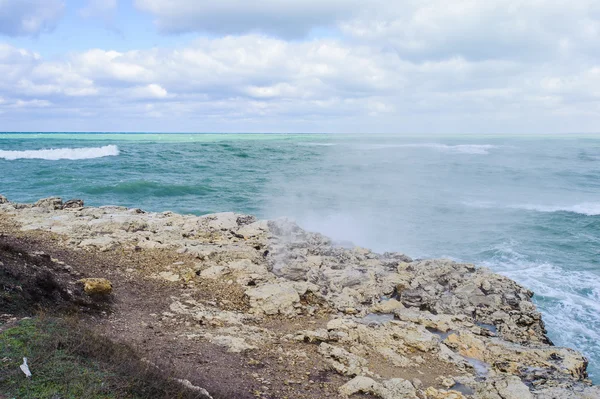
<point x="256" y="82"/>
<point x="30" y="17"/>
<point x="491" y="29"/>
<point x="288" y="19"/>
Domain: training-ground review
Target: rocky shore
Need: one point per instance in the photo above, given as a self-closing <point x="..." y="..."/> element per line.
<point x="288" y="313"/>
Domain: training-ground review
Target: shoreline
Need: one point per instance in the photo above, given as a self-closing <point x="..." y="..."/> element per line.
<point x="383" y="324"/>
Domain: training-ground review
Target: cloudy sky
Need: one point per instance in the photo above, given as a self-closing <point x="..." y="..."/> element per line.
<point x="411" y="66"/>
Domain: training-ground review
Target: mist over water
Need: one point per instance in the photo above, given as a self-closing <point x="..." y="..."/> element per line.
<point x="528" y="208"/>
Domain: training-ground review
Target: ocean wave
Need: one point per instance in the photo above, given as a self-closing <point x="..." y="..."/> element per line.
<point x="478" y="149"/>
<point x="568" y="299"/>
<point x="311" y="144"/>
<point x="585" y="208"/>
<point x="55" y="154"/>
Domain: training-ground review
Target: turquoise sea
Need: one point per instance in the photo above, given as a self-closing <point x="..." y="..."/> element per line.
<point x="525" y="206"/>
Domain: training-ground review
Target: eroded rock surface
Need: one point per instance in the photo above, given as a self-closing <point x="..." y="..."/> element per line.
<point x="384" y="319"/>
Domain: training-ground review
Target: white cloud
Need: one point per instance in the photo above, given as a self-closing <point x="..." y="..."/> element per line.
<point x="290" y="18"/>
<point x="474" y="29"/>
<point x="150" y="91"/>
<point x="499" y="65"/>
<point x="29" y="17"/>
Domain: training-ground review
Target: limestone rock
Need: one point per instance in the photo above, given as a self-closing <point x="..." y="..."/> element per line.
<point x="73" y="203"/>
<point x="395" y="388"/>
<point x="432" y="393"/>
<point x="389" y="306"/>
<point x="51" y="203"/>
<point x="273" y="299"/>
<point x="96" y="286"/>
<point x="342" y="361"/>
<point x="169" y="276"/>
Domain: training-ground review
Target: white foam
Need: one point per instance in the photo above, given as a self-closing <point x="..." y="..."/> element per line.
<point x="479" y="149"/>
<point x="55" y="154"/>
<point x="311" y="144"/>
<point x="568" y="299"/>
<point x="586" y="208"/>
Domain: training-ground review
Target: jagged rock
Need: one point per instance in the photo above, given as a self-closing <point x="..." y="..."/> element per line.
<point x="549" y="362"/>
<point x="96" y="286"/>
<point x="504" y="388"/>
<point x="51" y="203"/>
<point x="273" y="299"/>
<point x="389" y="306"/>
<point x="395" y="388"/>
<point x="73" y="203"/>
<point x="432" y="393"/>
<point x="342" y="361"/>
<point x="3" y="199"/>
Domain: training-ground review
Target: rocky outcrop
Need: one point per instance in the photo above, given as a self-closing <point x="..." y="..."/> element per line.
<point x="383" y="318"/>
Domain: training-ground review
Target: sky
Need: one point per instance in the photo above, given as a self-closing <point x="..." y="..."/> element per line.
<point x="353" y="66"/>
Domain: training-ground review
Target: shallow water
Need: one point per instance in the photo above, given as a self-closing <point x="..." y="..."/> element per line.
<point x="528" y="208"/>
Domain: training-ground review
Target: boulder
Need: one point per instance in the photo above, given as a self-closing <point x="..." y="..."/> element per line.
<point x="96" y="286"/>
<point x="395" y="388"/>
<point x="272" y="299"/>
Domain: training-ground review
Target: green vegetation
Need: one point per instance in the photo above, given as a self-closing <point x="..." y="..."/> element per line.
<point x="69" y="362"/>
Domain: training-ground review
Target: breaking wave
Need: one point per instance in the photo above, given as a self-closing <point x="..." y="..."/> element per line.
<point x="585" y="208"/>
<point x="55" y="154"/>
<point x="480" y="149"/>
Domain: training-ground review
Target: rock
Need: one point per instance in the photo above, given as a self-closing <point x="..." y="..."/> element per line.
<point x="221" y="221"/>
<point x="320" y="335"/>
<point x="51" y="203"/>
<point x="342" y="361"/>
<point x="273" y="299"/>
<point x="358" y="384"/>
<point x="395" y="388"/>
<point x="214" y="272"/>
<point x="233" y="344"/>
<point x="3" y="199"/>
<point x="96" y="286"/>
<point x="508" y="387"/>
<point x="388" y="306"/>
<point x="102" y="243"/>
<point x="432" y="393"/>
<point x="73" y="203"/>
<point x="192" y="387"/>
<point x="169" y="276"/>
<point x="482" y="326"/>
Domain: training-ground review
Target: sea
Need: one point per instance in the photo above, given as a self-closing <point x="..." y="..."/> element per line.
<point x="525" y="206"/>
